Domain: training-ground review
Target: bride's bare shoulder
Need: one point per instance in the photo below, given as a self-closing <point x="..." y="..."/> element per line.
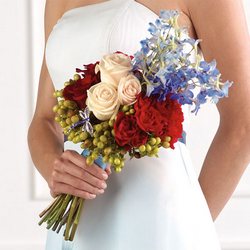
<point x="54" y="9"/>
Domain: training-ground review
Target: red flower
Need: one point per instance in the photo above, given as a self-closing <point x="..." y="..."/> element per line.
<point x="160" y="118"/>
<point x="127" y="132"/>
<point x="78" y="91"/>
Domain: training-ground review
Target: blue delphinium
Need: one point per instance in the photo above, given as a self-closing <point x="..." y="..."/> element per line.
<point x="170" y="63"/>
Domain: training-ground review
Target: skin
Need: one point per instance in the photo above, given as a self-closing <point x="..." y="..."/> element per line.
<point x="222" y="27"/>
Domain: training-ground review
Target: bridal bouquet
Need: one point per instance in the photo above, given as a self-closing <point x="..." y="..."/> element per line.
<point x="132" y="105"/>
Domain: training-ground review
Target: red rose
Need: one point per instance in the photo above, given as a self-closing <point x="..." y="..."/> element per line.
<point x="147" y="116"/>
<point x="127" y="132"/>
<point x="174" y="118"/>
<point x="89" y="73"/>
<point x="78" y="91"/>
<point x="159" y="118"/>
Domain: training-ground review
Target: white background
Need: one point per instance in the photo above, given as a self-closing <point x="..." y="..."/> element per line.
<point x="23" y="192"/>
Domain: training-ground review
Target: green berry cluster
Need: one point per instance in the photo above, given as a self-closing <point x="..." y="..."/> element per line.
<point x="103" y="143"/>
<point x="128" y="110"/>
<point x="66" y="114"/>
<point x="151" y="148"/>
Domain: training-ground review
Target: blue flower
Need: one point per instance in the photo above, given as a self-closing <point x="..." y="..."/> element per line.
<point x="168" y="14"/>
<point x="168" y="67"/>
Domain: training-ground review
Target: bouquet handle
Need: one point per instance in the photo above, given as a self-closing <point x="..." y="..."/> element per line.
<point x="98" y="161"/>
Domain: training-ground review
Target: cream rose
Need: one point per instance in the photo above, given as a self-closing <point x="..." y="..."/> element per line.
<point x="128" y="88"/>
<point x="103" y="100"/>
<point x="113" y="67"/>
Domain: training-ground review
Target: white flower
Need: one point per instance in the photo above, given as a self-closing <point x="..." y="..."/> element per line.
<point x="113" y="67"/>
<point x="129" y="87"/>
<point x="103" y="100"/>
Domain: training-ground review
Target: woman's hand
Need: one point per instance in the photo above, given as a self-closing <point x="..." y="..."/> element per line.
<point x="71" y="175"/>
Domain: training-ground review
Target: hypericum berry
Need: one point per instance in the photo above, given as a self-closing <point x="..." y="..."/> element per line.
<point x="111" y="123"/>
<point x="63" y="124"/>
<point x="142" y="148"/>
<point x="96" y="134"/>
<point x="95" y="141"/>
<point x="111" y="160"/>
<point x="103" y="138"/>
<point x="117" y="161"/>
<point x="57" y="119"/>
<point x="60" y="111"/>
<point x="98" y="127"/>
<point x="152" y="141"/>
<point x="125" y="108"/>
<point x="105" y="125"/>
<point x="55" y="108"/>
<point x="89" y="160"/>
<point x="131" y="111"/>
<point x="60" y="103"/>
<point x="68" y="121"/>
<point x="166" y="144"/>
<point x="76" y="139"/>
<point x="84" y="135"/>
<point x="148" y="148"/>
<point x="94" y="155"/>
<point x="100" y="145"/>
<point x="118" y="169"/>
<point x="105" y="159"/>
<point x="75" y="118"/>
<point x="155" y="151"/>
<point x="107" y="133"/>
<point x="66" y="83"/>
<point x="76" y="77"/>
<point x="158" y="140"/>
<point x="107" y="150"/>
<point x="167" y="139"/>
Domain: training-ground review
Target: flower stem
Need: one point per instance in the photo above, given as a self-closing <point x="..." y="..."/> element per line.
<point x="76" y="220"/>
<point x="71" y="213"/>
<point x="64" y="205"/>
<point x="51" y="211"/>
<point x="50" y="206"/>
<point x="63" y="221"/>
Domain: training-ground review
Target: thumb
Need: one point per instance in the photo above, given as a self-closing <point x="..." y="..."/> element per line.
<point x="108" y="170"/>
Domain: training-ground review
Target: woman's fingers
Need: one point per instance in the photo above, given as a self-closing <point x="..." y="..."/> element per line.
<point x="78" y="160"/>
<point x="108" y="170"/>
<point x="66" y="166"/>
<point x="68" y="189"/>
<point x="77" y="183"/>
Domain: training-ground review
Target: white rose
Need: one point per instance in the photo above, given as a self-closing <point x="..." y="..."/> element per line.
<point x="113" y="67"/>
<point x="103" y="100"/>
<point x="128" y="88"/>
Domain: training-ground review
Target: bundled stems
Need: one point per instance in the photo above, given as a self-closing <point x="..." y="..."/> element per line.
<point x="65" y="209"/>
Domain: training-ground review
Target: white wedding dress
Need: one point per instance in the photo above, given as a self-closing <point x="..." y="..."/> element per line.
<point x="154" y="203"/>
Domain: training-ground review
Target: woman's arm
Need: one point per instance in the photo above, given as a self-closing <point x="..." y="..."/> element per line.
<point x="222" y="27"/>
<point x="45" y="138"/>
<point x="64" y="171"/>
